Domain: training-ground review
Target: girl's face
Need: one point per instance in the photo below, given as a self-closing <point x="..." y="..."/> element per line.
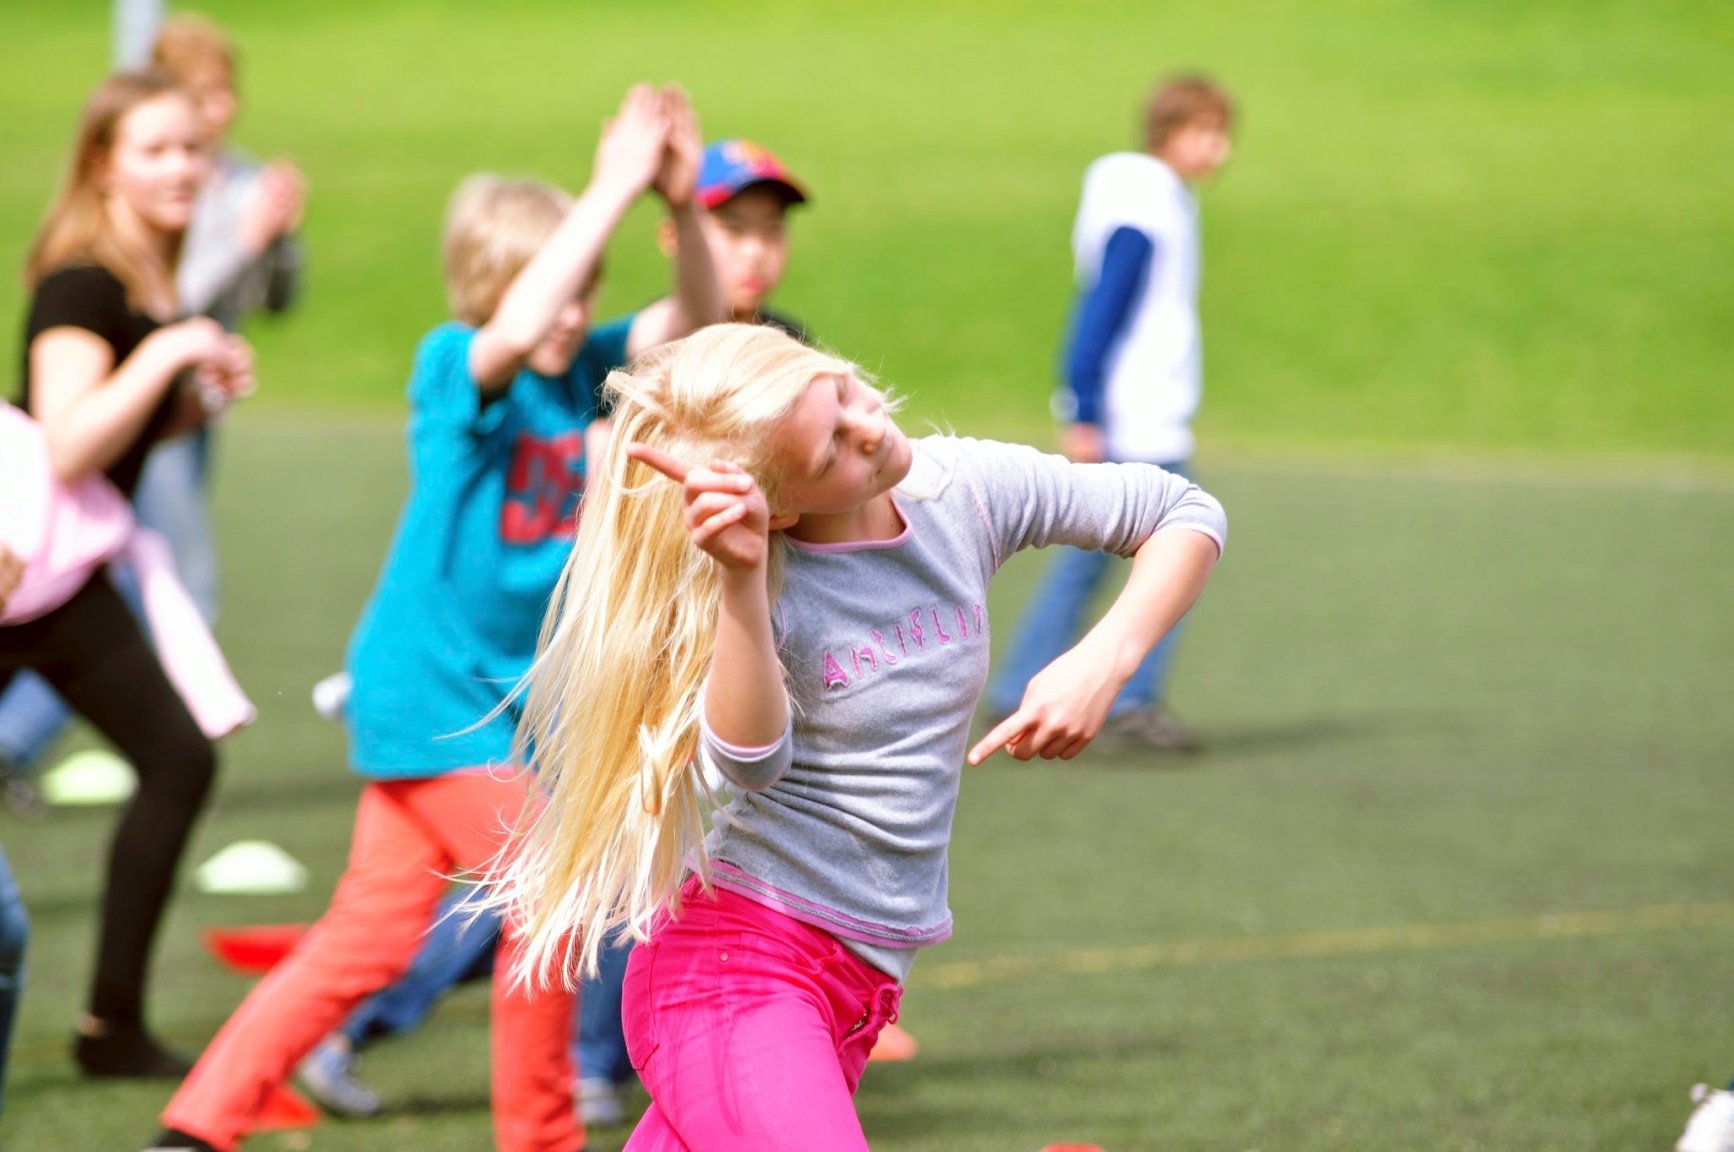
<point x="157" y="162"/>
<point x="839" y="449"/>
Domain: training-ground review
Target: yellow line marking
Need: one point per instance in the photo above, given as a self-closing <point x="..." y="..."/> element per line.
<point x="1347" y="942"/>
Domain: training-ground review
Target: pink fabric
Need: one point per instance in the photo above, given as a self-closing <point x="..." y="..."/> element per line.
<point x="65" y="532"/>
<point x="409" y="836"/>
<point x="188" y="653"/>
<point x="62" y="532"/>
<point x="750" y="1030"/>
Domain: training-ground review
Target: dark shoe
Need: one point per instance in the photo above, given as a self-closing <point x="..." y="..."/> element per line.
<point x="174" y="1140"/>
<point x="127" y="1052"/>
<point x="1150" y="729"/>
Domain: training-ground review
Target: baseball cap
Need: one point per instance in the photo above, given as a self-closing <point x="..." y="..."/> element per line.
<point x="732" y="165"/>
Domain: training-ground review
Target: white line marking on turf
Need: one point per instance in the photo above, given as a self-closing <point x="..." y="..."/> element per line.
<point x="1347" y="942"/>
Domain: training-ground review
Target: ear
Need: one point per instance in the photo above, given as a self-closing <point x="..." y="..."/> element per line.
<point x="666" y="240"/>
<point x="783" y="521"/>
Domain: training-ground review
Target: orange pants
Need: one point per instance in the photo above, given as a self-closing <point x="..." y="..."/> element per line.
<point x="410" y="836"/>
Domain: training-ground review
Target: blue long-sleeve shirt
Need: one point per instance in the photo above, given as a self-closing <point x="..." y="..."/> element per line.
<point x="1101" y="317"/>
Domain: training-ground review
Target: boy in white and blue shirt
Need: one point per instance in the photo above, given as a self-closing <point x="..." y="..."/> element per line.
<point x="1133" y="370"/>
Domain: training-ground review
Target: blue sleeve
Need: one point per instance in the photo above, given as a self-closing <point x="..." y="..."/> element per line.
<point x="604" y="351"/>
<point x="1126" y="264"/>
<point x="442" y="391"/>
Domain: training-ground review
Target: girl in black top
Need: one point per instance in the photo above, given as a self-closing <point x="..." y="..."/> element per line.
<point x="108" y="372"/>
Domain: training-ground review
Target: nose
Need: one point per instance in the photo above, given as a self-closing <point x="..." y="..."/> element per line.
<point x="870" y="428"/>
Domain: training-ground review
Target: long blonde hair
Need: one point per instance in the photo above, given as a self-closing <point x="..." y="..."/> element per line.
<point x="77" y="228"/>
<point x="612" y="702"/>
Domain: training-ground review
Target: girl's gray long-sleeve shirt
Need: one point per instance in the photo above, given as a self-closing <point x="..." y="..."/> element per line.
<point x="844" y="824"/>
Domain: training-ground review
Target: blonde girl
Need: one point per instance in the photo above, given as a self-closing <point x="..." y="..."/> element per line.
<point x="772" y="581"/>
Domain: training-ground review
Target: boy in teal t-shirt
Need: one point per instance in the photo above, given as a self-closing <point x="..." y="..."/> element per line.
<point x="486" y="530"/>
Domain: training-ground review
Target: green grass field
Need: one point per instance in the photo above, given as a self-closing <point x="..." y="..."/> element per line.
<point x="1453" y="871"/>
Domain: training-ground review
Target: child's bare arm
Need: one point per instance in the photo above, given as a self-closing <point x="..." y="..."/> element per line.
<point x="626" y="160"/>
<point x="745" y="703"/>
<point x="92" y="410"/>
<point x="698" y="298"/>
<point x="1066" y="704"/>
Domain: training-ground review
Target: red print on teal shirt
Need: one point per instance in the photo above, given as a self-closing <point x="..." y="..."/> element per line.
<point x="542" y="488"/>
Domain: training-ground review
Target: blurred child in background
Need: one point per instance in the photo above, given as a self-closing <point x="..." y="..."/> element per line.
<point x="745" y="194"/>
<point x="1134" y="373"/>
<point x="237" y="256"/>
<point x="109" y="372"/>
<point x="502" y="399"/>
<point x="241" y="257"/>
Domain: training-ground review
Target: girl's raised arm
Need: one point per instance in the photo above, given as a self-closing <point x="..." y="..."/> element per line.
<point x="745" y="701"/>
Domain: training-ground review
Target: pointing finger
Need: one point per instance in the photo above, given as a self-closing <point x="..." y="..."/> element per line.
<point x="1004" y="734"/>
<point x="666" y="463"/>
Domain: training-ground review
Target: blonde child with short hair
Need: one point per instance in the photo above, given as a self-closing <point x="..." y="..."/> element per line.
<point x="501" y="401"/>
<point x="803" y="609"/>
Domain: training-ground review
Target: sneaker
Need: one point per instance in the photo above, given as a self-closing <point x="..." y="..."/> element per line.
<point x="599" y="1104"/>
<point x="328" y="1074"/>
<point x="126" y="1052"/>
<point x="1149" y="729"/>
<point x="1711" y="1128"/>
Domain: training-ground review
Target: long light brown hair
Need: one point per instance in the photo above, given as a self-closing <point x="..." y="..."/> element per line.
<point x="77" y="228"/>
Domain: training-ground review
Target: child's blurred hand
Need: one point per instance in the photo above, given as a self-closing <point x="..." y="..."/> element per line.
<point x="677" y="176"/>
<point x="275" y="207"/>
<point x="725" y="511"/>
<point x="221" y="362"/>
<point x="630" y="151"/>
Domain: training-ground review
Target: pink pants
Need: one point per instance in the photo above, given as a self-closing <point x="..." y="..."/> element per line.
<point x="410" y="835"/>
<point x="750" y="1030"/>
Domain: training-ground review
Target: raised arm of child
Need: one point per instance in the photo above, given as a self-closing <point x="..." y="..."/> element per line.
<point x="1066" y="704"/>
<point x="627" y="159"/>
<point x="698" y="298"/>
<point x="746" y="705"/>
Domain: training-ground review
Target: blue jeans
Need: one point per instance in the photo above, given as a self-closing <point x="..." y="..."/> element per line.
<point x="600" y="1050"/>
<point x="170" y="500"/>
<point x="458" y="949"/>
<point x="1054" y="619"/>
<point x="14" y="931"/>
<point x="32" y="717"/>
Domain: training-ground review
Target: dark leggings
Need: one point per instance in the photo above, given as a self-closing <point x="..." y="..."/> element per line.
<point x="92" y="651"/>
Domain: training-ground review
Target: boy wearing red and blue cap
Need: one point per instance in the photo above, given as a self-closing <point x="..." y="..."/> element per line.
<point x="746" y="193"/>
